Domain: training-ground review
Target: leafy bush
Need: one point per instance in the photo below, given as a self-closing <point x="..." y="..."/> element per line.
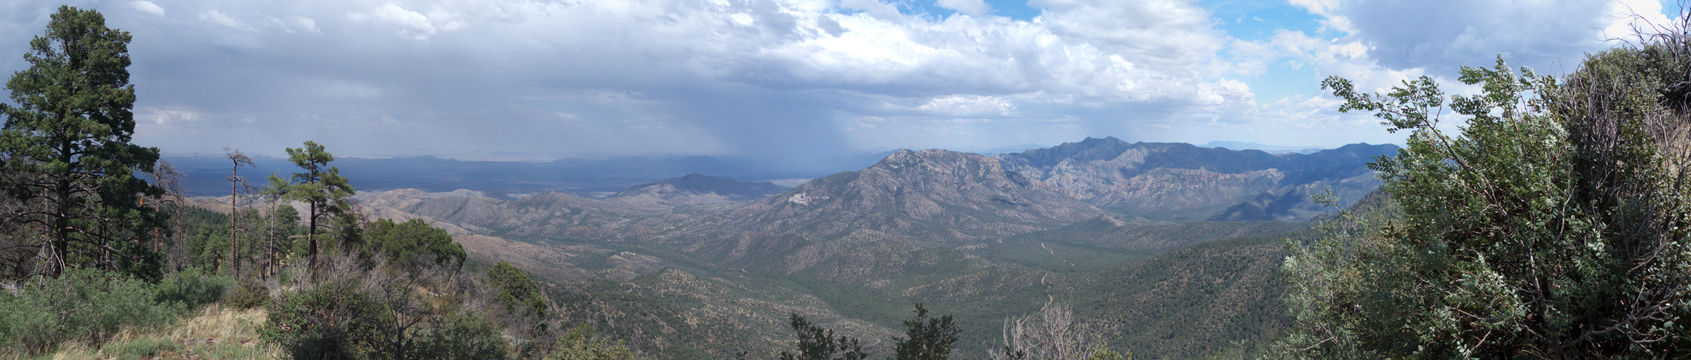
<point x="194" y="287"/>
<point x="249" y="295"/>
<point x="83" y="304"/>
<point x="461" y="336"/>
<point x="816" y="343"/>
<point x="1556" y="225"/>
<point x="327" y="321"/>
<point x="926" y="338"/>
<point x="515" y="289"/>
<point x="580" y="344"/>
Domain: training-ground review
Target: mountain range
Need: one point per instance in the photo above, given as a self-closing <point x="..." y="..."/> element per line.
<point x="1150" y="239"/>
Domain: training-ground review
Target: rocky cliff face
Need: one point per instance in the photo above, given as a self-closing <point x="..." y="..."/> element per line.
<point x="929" y="196"/>
<point x="856" y="227"/>
<point x="1182" y="182"/>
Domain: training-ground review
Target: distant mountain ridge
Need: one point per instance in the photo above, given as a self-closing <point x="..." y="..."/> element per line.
<point x="1235" y="145"/>
<point x="970" y="195"/>
<point x="1104" y="223"/>
<point x="1182" y="182"/>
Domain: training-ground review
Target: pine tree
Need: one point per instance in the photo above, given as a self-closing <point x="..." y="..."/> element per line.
<point x="67" y="152"/>
<point x="320" y="186"/>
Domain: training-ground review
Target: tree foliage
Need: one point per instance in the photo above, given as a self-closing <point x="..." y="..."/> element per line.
<point x="323" y="190"/>
<point x="580" y="344"/>
<point x="66" y="151"/>
<point x="414" y="242"/>
<point x="515" y="290"/>
<point x="816" y="343"/>
<point x="925" y="338"/>
<point x="1556" y="225"/>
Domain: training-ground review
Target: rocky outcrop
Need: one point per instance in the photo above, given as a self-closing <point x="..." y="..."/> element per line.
<point x="1182" y="182"/>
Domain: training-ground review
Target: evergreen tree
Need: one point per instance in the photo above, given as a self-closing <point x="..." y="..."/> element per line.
<point x="515" y="290"/>
<point x="926" y="338"/>
<point x="413" y="243"/>
<point x="816" y="343"/>
<point x="320" y="186"/>
<point x="67" y="152"/>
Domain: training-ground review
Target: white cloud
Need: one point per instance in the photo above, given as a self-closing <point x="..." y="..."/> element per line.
<point x="1630" y="16"/>
<point x="296" y="24"/>
<point x="411" y="23"/>
<point x="971" y="7"/>
<point x="217" y="17"/>
<point x="967" y="105"/>
<point x="147" y="7"/>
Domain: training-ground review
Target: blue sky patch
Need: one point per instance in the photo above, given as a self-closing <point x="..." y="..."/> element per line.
<point x="1013" y="9"/>
<point x="1257" y="20"/>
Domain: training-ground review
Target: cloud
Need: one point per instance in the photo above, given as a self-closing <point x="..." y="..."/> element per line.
<point x="217" y="17"/>
<point x="1442" y="35"/>
<point x="800" y="79"/>
<point x="411" y="23"/>
<point x="147" y="7"/>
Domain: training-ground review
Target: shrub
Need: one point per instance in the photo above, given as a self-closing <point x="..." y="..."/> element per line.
<point x="194" y="288"/>
<point x="461" y="336"/>
<point x="580" y="344"/>
<point x="516" y="290"/>
<point x="327" y="321"/>
<point x="816" y="343"/>
<point x="249" y="295"/>
<point x="926" y="338"/>
<point x="83" y="304"/>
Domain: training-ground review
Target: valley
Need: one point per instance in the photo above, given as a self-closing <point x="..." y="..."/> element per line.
<point x="1171" y="249"/>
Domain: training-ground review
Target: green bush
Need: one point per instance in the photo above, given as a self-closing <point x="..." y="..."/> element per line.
<point x="250" y="294"/>
<point x="580" y="344"/>
<point x="413" y="243"/>
<point x="82" y="304"/>
<point x="194" y="288"/>
<point x="516" y="290"/>
<point x="327" y="321"/>
<point x="461" y="336"/>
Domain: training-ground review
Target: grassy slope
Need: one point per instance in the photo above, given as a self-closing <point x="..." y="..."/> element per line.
<point x="215" y="333"/>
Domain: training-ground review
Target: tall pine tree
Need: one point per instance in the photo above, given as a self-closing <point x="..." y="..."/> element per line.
<point x="66" y="151"/>
<point x="320" y="186"/>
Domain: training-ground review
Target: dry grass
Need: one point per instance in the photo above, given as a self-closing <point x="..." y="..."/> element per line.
<point x="216" y="333"/>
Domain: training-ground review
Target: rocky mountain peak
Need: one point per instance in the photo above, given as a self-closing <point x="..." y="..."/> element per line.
<point x="928" y="195"/>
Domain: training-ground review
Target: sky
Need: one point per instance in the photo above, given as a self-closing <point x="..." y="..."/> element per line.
<point x="796" y="79"/>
